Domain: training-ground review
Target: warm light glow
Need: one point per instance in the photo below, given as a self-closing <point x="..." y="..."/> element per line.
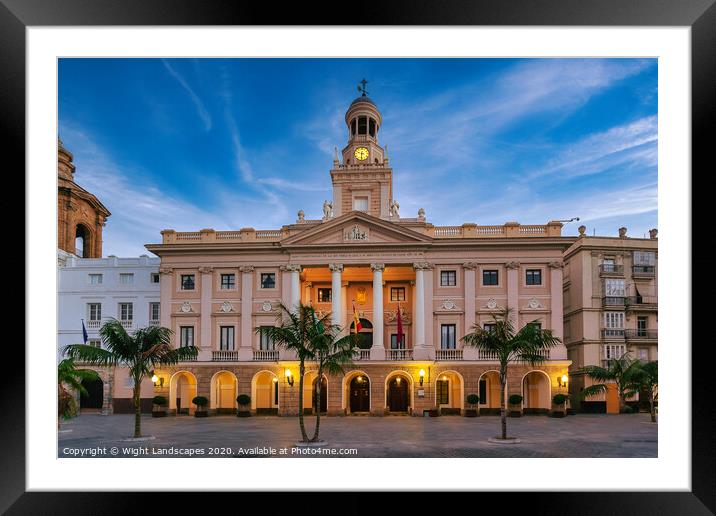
<point x="397" y="380"/>
<point x="275" y="380"/>
<point x="155" y="378"/>
<point x="360" y="379"/>
<point x="564" y="378"/>
<point x="443" y="378"/>
<point x="288" y="373"/>
<point x="422" y="373"/>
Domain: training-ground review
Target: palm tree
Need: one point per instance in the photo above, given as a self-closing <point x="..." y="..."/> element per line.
<point x="330" y="354"/>
<point x="507" y="345"/>
<point x="646" y="379"/>
<point x="139" y="352"/>
<point x="619" y="372"/>
<point x="294" y="333"/>
<point x="69" y="376"/>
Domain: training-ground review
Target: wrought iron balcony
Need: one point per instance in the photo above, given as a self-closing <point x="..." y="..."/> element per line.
<point x="265" y="355"/>
<point x="611" y="269"/>
<point x="642" y="334"/>
<point x="448" y="354"/>
<point x="613" y="333"/>
<point x="615" y="301"/>
<point x="224" y="355"/>
<point x="399" y="354"/>
<point x="642" y="302"/>
<point x="643" y="271"/>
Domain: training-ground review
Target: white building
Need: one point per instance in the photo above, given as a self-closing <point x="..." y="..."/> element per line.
<point x="95" y="290"/>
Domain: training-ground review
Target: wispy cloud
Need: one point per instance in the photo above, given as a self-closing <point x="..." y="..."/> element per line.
<point x="198" y="104"/>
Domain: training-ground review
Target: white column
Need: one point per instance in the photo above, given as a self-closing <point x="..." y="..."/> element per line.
<point x="513" y="285"/>
<point x="377" y="351"/>
<point x="469" y="320"/>
<point x="165" y="306"/>
<point x="336" y="293"/>
<point x="559" y="352"/>
<point x="247" y="291"/>
<point x="419" y="316"/>
<point x="295" y="271"/>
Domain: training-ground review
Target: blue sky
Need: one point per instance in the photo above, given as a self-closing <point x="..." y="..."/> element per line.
<point x="229" y="143"/>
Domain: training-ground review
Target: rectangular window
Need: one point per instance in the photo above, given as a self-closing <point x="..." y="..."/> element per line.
<point x="397" y="293"/>
<point x="489" y="278"/>
<point x="227" y="338"/>
<point x="228" y="281"/>
<point x="95" y="279"/>
<point x="154" y="277"/>
<point x="186" y="336"/>
<point x="448" y="278"/>
<point x="94" y="311"/>
<point x="371" y="127"/>
<point x="614" y="320"/>
<point x="488" y="326"/>
<point x="268" y="280"/>
<point x="126" y="311"/>
<point x="360" y="204"/>
<point x="614" y="288"/>
<point x="644" y="258"/>
<point x="154" y="312"/>
<point x="266" y="343"/>
<point x="187" y="282"/>
<point x="324" y="295"/>
<point x="534" y="276"/>
<point x="95" y="343"/>
<point x="443" y="390"/>
<point x="643" y="354"/>
<point x="537" y="325"/>
<point x="642" y="324"/>
<point x="612" y="351"/>
<point x="394" y="344"/>
<point x="126" y="278"/>
<point x="483" y="392"/>
<point x="447" y="336"/>
<point x="608" y="265"/>
<point x="362" y="124"/>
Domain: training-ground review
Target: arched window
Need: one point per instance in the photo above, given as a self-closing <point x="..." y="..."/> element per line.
<point x="82" y="241"/>
<point x="371" y="127"/>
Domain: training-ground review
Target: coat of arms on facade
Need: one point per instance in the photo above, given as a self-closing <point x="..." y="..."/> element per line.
<point x="355" y="233"/>
<point x="534" y="303"/>
<point x="449" y="304"/>
<point x="392" y="315"/>
<point x="491" y="303"/>
<point x="226" y="306"/>
<point x="185" y="307"/>
<point x="266" y="307"/>
<point x="361" y="295"/>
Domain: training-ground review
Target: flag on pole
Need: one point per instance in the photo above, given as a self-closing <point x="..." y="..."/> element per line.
<point x="356" y="319"/>
<point x="84" y="331"/>
<point x="400" y="328"/>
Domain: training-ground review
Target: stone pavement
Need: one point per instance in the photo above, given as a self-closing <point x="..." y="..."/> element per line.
<point x="581" y="435"/>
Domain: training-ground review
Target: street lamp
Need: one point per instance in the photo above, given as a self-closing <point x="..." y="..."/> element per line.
<point x="422" y="376"/>
<point x="562" y="381"/>
<point x="289" y="377"/>
<point x="157" y="380"/>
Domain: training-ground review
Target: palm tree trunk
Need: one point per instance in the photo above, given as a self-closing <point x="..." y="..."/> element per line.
<point x="301" y="423"/>
<point x="503" y="414"/>
<point x="317" y="402"/>
<point x="137" y="410"/>
<point x="652" y="412"/>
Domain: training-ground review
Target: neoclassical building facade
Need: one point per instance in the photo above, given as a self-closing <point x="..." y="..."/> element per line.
<point x="218" y="287"/>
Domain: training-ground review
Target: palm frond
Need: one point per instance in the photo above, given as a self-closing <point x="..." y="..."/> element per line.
<point x="593" y="390"/>
<point x="91" y="355"/>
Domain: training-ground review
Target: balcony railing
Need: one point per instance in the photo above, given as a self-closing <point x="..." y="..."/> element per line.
<point x="612" y="333"/>
<point x="399" y="354"/>
<point x="224" y="355"/>
<point x="448" y="354"/>
<point x="643" y="271"/>
<point x="127" y="324"/>
<point x="486" y="355"/>
<point x="613" y="301"/>
<point x="154" y="322"/>
<point x="93" y="325"/>
<point x="363" y="354"/>
<point x="642" y="301"/>
<point x="608" y="269"/>
<point x="265" y="355"/>
<point x="641" y="334"/>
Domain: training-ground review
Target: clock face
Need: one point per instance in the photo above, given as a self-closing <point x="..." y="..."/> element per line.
<point x="361" y="153"/>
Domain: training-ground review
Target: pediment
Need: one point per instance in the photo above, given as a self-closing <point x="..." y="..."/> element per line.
<point x="356" y="228"/>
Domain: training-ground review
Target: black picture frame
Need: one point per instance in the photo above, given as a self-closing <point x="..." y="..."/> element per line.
<point x="700" y="15"/>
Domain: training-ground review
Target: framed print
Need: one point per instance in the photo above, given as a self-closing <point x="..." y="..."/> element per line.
<point x="415" y="251"/>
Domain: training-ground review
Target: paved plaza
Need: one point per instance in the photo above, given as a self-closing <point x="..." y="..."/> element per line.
<point x="581" y="435"/>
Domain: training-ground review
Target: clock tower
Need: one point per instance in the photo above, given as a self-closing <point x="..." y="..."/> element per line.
<point x="363" y="181"/>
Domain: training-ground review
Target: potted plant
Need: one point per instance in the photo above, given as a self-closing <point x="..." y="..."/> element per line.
<point x="159" y="406"/>
<point x="472" y="400"/>
<point x="560" y="402"/>
<point x="515" y="401"/>
<point x="201" y="402"/>
<point x="244" y="401"/>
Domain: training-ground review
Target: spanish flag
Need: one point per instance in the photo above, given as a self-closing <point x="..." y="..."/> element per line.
<point x="356" y="319"/>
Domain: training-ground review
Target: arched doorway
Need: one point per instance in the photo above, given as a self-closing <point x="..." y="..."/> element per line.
<point x="182" y="389"/>
<point x="366" y="333"/>
<point x="223" y="392"/>
<point x="359" y="394"/>
<point x="264" y="387"/>
<point x="489" y="392"/>
<point x="324" y="396"/>
<point x="94" y="399"/>
<point x="536" y="393"/>
<point x="398" y="397"/>
<point x="449" y="393"/>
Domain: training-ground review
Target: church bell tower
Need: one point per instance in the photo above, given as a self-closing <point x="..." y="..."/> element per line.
<point x="363" y="180"/>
